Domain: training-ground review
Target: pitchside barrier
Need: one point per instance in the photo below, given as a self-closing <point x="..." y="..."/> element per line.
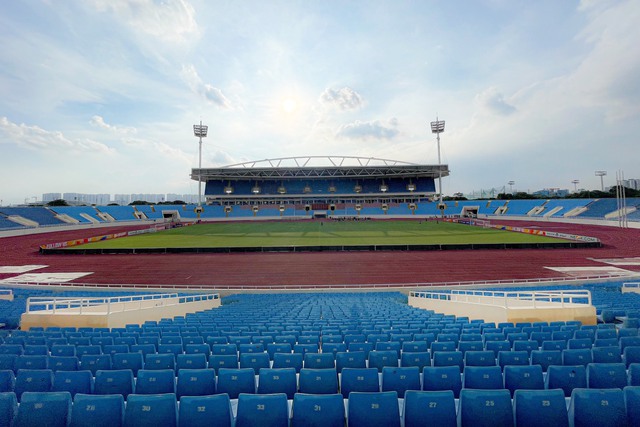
<point x="510" y="306"/>
<point x="114" y="312"/>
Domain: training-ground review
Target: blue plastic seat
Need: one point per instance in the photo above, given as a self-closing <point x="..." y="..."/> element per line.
<point x="479" y="358"/>
<point x="160" y="381"/>
<point x="288" y="360"/>
<point x="51" y="409"/>
<point x="377" y="409"/>
<point x="195" y="382"/>
<point x="318" y="381"/>
<point x="546" y="358"/>
<point x="63" y="363"/>
<point x="577" y="356"/>
<point x="7" y="380"/>
<point x="33" y="380"/>
<point x="319" y="361"/>
<point x="485" y="408"/>
<point x="318" y="410"/>
<point x="36" y="350"/>
<point x="513" y="358"/>
<point x="8" y="362"/>
<point x="441" y="378"/>
<point x="133" y="361"/>
<point x="217" y="361"/>
<point x="273" y="348"/>
<point x="606" y="375"/>
<point x="151" y="410"/>
<point x="554" y="345"/>
<point x="632" y="402"/>
<point x="523" y="378"/>
<point x="203" y="411"/>
<point x="305" y="348"/>
<point x="381" y="358"/>
<point x="435" y="407"/>
<point x="483" y="377"/>
<point x="143" y="348"/>
<point x="97" y="410"/>
<point x="497" y="346"/>
<point x="365" y="347"/>
<point x="597" y="407"/>
<point x="448" y="358"/>
<point x="32" y="362"/>
<point x="443" y="346"/>
<point x="352" y="359"/>
<point x="566" y="378"/>
<point x="359" y="379"/>
<point x="236" y="381"/>
<point x="9" y="407"/>
<point x="73" y="381"/>
<point x="540" y="408"/>
<point x="256" y="361"/>
<point x="606" y="354"/>
<point x="95" y="362"/>
<point x="279" y="380"/>
<point x="159" y="361"/>
<point x="262" y="410"/>
<point x="251" y="348"/>
<point x="418" y="359"/>
<point x="114" y="382"/>
<point x="400" y="379"/>
<point x="115" y="348"/>
<point x="191" y="361"/>
<point x="527" y="346"/>
<point x="415" y="346"/>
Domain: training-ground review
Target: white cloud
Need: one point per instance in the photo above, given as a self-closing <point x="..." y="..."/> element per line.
<point x="36" y="138"/>
<point x="207" y="91"/>
<point x="99" y="122"/>
<point x="369" y="130"/>
<point x="343" y="99"/>
<point x="167" y="20"/>
<point x="494" y="102"/>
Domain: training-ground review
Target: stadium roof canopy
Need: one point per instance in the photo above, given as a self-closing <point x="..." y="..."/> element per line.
<point x="310" y="167"/>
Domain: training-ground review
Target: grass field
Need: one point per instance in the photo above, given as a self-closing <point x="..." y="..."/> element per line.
<point x="317" y="233"/>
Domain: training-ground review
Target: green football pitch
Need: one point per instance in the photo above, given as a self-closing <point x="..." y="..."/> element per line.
<point x="319" y="233"/>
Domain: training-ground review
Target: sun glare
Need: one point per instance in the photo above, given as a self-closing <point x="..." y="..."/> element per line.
<point x="289" y="105"/>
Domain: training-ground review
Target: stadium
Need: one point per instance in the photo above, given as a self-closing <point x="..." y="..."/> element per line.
<point x="340" y="283"/>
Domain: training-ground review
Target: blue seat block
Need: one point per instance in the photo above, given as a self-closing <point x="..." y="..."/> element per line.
<point x="97" y="410"/>
<point x="435" y="407"/>
<point x="44" y="409"/>
<point x="262" y="410"/>
<point x="203" y="411"/>
<point x="377" y="409"/>
<point x="540" y="408"/>
<point x="485" y="408"/>
<point x="597" y="407"/>
<point x="151" y="410"/>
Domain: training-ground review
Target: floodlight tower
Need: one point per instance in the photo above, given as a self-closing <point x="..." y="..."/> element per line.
<point x="511" y="186"/>
<point x="201" y="132"/>
<point x="575" y="183"/>
<point x="437" y="127"/>
<point x="601" y="174"/>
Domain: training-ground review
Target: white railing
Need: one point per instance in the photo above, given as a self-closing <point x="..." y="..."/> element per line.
<point x="110" y="305"/>
<point x="631" y="285"/>
<point x="511" y="299"/>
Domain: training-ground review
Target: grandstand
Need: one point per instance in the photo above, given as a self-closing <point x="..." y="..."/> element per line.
<point x="364" y="357"/>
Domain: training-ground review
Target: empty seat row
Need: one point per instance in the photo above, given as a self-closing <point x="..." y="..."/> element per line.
<point x="527" y="408"/>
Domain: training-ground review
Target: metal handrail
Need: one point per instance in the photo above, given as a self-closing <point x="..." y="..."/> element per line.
<point x="502" y="298"/>
<point x="123" y="303"/>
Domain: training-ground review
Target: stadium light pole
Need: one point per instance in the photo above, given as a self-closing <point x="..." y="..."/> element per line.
<point x="437" y="127"/>
<point x="511" y="186"/>
<point x="575" y="183"/>
<point x="601" y="174"/>
<point x="201" y="132"/>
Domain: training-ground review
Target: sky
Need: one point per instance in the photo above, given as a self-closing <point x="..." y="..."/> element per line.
<point x="100" y="96"/>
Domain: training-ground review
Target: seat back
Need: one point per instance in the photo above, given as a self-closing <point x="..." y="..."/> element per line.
<point x="438" y="407"/>
<point x="400" y="379"/>
<point x="97" y="410"/>
<point x="318" y="410"/>
<point x="33" y="380"/>
<point x="118" y="381"/>
<point x="523" y="378"/>
<point x="318" y="381"/>
<point x="151" y="410"/>
<point x="352" y="359"/>
<point x="44" y="408"/>
<point x="439" y="378"/>
<point x="483" y="377"/>
<point x="279" y="380"/>
<point x="485" y="408"/>
<point x="236" y="381"/>
<point x="201" y="411"/>
<point x="73" y="382"/>
<point x="606" y="375"/>
<point x="262" y="410"/>
<point x="195" y="382"/>
<point x="373" y="409"/>
<point x="153" y="381"/>
<point x="597" y="407"/>
<point x="566" y="378"/>
<point x="359" y="379"/>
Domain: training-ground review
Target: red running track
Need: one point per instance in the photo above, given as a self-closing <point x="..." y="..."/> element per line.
<point x="326" y="268"/>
